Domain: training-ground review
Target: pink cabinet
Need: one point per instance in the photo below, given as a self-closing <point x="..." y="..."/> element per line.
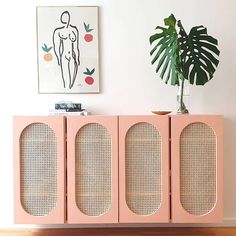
<point x="92" y="183"/>
<point x="39" y="168"/>
<point x="144" y="169"/>
<point x="110" y="169"/>
<point x="196" y="169"/>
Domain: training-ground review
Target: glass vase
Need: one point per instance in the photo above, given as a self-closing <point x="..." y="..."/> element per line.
<point x="183" y="98"/>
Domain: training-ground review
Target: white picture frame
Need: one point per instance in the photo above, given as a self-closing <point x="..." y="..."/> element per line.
<point x="67" y="46"/>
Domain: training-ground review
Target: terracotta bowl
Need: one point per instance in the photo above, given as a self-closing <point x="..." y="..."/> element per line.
<point x="161" y="112"/>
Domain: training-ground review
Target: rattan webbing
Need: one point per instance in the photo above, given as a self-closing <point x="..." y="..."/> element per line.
<point x="93" y="169"/>
<point x="198" y="168"/>
<point x="143" y="169"/>
<point x="38" y="170"/>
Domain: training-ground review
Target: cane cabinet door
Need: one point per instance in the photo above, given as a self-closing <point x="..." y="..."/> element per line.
<point x="196" y="168"/>
<point x="39" y="162"/>
<point x="143" y="169"/>
<point x="92" y="147"/>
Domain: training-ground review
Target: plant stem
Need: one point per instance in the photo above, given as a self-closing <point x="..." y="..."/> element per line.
<point x="182" y="92"/>
<point x="182" y="108"/>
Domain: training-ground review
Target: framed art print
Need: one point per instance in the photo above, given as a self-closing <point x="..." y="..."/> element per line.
<point x="67" y="44"/>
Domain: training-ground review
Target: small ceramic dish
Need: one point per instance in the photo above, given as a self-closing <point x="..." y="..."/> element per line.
<point x="161" y="112"/>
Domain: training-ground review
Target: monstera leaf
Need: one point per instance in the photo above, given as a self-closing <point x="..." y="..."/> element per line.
<point x="166" y="51"/>
<point x="197" y="52"/>
<point x="179" y="56"/>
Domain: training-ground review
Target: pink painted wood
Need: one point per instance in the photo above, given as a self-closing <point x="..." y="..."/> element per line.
<point x="74" y="124"/>
<point x="179" y="214"/>
<point x="163" y="213"/>
<point x="57" y="215"/>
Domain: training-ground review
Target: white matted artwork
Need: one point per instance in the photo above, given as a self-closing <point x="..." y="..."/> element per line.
<point x="67" y="44"/>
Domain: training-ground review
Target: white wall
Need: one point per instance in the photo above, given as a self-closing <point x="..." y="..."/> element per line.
<point x="128" y="80"/>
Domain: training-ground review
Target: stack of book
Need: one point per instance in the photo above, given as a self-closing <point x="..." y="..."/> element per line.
<point x="68" y="108"/>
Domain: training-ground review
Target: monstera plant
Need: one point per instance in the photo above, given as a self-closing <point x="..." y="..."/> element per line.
<point x="179" y="56"/>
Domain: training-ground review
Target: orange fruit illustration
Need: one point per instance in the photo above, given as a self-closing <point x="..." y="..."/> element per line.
<point x="47" y="57"/>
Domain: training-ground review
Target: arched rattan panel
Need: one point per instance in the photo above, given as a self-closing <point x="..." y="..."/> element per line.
<point x="198" y="168"/>
<point x="93" y="169"/>
<point x="38" y="171"/>
<point x="143" y="169"/>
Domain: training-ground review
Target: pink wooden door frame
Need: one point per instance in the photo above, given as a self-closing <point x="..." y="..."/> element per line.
<point x="179" y="214"/>
<point x="73" y="125"/>
<point x="162" y="214"/>
<point x="57" y="215"/>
